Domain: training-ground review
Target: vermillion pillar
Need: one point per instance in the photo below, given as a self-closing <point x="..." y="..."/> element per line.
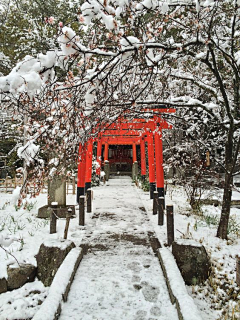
<point x="151" y="165"/>
<point x="106" y="152"/>
<point x="159" y="163"/>
<point x="135" y="163"/>
<point x="134" y="150"/>
<point x="99" y="157"/>
<point x="81" y="171"/>
<point x="143" y="158"/>
<point x="89" y="154"/>
<point x="106" y="162"/>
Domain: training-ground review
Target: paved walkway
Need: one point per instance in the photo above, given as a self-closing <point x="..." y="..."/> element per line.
<point x="120" y="277"/>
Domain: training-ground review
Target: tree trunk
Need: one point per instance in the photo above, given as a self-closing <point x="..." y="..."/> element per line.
<point x="227" y="195"/>
<point x="226" y="204"/>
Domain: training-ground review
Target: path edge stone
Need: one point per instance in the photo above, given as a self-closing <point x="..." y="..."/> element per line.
<point x="60" y="287"/>
<point x="186" y="308"/>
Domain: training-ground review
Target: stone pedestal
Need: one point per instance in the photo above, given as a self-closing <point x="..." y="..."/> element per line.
<point x="134" y="170"/>
<point x="107" y="170"/>
<point x="56" y="193"/>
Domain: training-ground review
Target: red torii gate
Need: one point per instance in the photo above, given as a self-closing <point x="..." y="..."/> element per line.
<point x="127" y="132"/>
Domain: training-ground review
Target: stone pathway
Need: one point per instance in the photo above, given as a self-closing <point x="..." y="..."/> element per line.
<point x="120" y="277"/>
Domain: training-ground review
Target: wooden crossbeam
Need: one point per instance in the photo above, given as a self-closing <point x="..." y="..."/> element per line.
<point x="121" y="140"/>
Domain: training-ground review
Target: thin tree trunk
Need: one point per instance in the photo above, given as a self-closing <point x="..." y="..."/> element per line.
<point x="227" y="195"/>
<point x="226" y="204"/>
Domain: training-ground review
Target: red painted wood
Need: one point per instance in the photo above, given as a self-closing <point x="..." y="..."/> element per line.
<point x="121" y="140"/>
<point x="143" y="157"/>
<point x="159" y="160"/>
<point x="151" y="163"/>
<point x="156" y="110"/>
<point x="88" y="177"/>
<point x="125" y="132"/>
<point x="106" y="151"/>
<point x="134" y="150"/>
<point x="81" y="166"/>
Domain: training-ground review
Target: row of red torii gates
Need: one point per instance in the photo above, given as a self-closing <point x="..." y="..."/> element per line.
<point x="125" y="131"/>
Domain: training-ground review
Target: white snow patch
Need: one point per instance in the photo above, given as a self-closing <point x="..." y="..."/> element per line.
<point x="188" y="242"/>
<point x="61" y="244"/>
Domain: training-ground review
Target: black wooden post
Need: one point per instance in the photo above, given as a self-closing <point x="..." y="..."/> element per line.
<point x="53" y="218"/>
<point x="160" y="211"/>
<point x="155" y="202"/>
<point x="170" y="225"/>
<point x="89" y="200"/>
<point x="82" y="210"/>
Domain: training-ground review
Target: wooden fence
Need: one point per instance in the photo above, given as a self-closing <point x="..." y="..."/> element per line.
<point x="9" y="184"/>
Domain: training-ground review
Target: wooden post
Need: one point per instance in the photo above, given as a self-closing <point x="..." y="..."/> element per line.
<point x="106" y="152"/>
<point x="134" y="152"/>
<point x="88" y="176"/>
<point x="89" y="200"/>
<point x="143" y="158"/>
<point x="151" y="165"/>
<point x="155" y="202"/>
<point x="68" y="216"/>
<point x="238" y="271"/>
<point x="53" y="218"/>
<point x="160" y="211"/>
<point x="82" y="210"/>
<point x="159" y="163"/>
<point x="74" y="185"/>
<point x="81" y="171"/>
<point x="170" y="225"/>
<point x="208" y="162"/>
<point x="67" y="184"/>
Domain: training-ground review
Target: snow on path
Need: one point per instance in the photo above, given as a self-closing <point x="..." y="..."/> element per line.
<point x="120" y="277"/>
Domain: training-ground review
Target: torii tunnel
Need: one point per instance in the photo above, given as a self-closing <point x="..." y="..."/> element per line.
<point x="134" y="132"/>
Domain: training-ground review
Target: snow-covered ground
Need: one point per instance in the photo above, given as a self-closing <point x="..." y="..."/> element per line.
<point x="120" y="278"/>
<point x="119" y="215"/>
<point x="219" y="297"/>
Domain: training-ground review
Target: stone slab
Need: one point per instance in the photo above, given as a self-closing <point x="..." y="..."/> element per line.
<point x="57" y="190"/>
